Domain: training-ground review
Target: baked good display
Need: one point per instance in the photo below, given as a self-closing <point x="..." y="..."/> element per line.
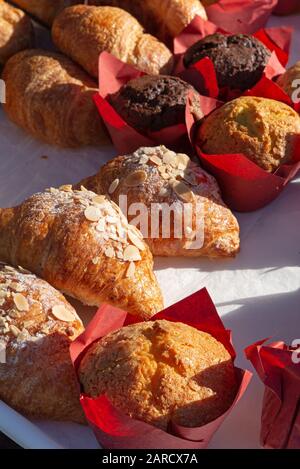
<point x="45" y="10"/>
<point x="157" y="177"/>
<point x="16" y="31"/>
<point x="262" y="129"/>
<point x="37" y="325"/>
<point x="239" y="59"/>
<point x="164" y="19"/>
<point x="50" y="97"/>
<point x="150" y="103"/>
<point x="82" y="32"/>
<point x="82" y="245"/>
<point x="290" y="81"/>
<point x="160" y="371"/>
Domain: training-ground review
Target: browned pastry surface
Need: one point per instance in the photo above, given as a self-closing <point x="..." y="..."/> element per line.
<point x="45" y="10"/>
<point x="16" y="31"/>
<point x="82" y="245"/>
<point x="159" y="176"/>
<point x="162" y="18"/>
<point x="262" y="129"/>
<point x="82" y="32"/>
<point x="158" y="371"/>
<point x="37" y="325"/>
<point x="51" y="98"/>
<point x="290" y="81"/>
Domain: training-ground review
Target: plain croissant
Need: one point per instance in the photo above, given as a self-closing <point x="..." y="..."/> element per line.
<point x="162" y="18"/>
<point x="82" y="245"/>
<point x="51" y="98"/>
<point x="82" y="32"/>
<point x="45" y="10"/>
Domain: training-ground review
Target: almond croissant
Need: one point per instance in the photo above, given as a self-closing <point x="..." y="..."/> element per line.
<point x="45" y="10"/>
<point x="160" y="179"/>
<point x="82" y="244"/>
<point x="82" y="32"/>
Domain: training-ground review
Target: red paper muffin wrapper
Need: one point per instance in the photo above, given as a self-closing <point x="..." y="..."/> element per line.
<point x="113" y="428"/>
<point x="280" y="421"/>
<point x="241" y="16"/>
<point x="287" y="7"/>
<point x="113" y="74"/>
<point x="202" y="74"/>
<point x="245" y="186"/>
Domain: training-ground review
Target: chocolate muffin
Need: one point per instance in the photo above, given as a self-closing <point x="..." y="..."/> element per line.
<point x="160" y="371"/>
<point x="150" y="103"/>
<point x="239" y="59"/>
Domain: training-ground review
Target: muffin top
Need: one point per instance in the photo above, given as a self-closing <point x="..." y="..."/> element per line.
<point x="154" y="102"/>
<point x="239" y="59"/>
<point x="262" y="129"/>
<point x="158" y="371"/>
<point x="287" y="81"/>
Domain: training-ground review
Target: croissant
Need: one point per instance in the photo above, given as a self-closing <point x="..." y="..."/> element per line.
<point x="45" y="10"/>
<point x="82" y="245"/>
<point x="82" y="32"/>
<point x="51" y="98"/>
<point x="37" y="326"/>
<point x="160" y="179"/>
<point x="16" y="31"/>
<point x="162" y="18"/>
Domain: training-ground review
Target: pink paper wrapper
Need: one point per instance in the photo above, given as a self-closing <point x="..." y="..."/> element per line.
<point x="201" y="74"/>
<point x="280" y="421"/>
<point x="112" y="75"/>
<point x="245" y="186"/>
<point x="241" y="16"/>
<point x="113" y="428"/>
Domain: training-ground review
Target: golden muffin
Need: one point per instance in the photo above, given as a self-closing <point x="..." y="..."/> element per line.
<point x="160" y="371"/>
<point x="290" y="82"/>
<point x="262" y="129"/>
<point x="37" y="325"/>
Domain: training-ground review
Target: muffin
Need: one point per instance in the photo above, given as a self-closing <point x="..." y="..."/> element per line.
<point x="288" y="84"/>
<point x="239" y="60"/>
<point x="161" y="371"/>
<point x="262" y="129"/>
<point x="151" y="103"/>
<point x="37" y="326"/>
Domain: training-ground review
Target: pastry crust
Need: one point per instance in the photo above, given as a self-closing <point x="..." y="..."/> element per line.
<point x="51" y="98"/>
<point x="82" y="245"/>
<point x="290" y="81"/>
<point x="164" y="19"/>
<point x="45" y="10"/>
<point x="82" y="32"/>
<point x="37" y="325"/>
<point x="163" y="171"/>
<point x="161" y="370"/>
<point x="16" y="31"/>
<point x="261" y="128"/>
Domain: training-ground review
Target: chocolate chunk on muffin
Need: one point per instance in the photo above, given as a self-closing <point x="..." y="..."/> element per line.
<point x="239" y="60"/>
<point x="262" y="129"/>
<point x="161" y="371"/>
<point x="151" y="103"/>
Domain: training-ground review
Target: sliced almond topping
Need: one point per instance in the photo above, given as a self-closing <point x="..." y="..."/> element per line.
<point x="95" y="260"/>
<point x="2" y="351"/>
<point x="163" y="191"/>
<point x="101" y="225"/>
<point x="83" y="189"/>
<point x="99" y="199"/>
<point x="62" y="313"/>
<point x="2" y="301"/>
<point x="182" y="161"/>
<point x="3" y="293"/>
<point x="136" y="240"/>
<point x="66" y="188"/>
<point x="113" y="186"/>
<point x="17" y="287"/>
<point x="156" y="160"/>
<point x="14" y="330"/>
<point x="144" y="159"/>
<point x="92" y="213"/>
<point x="111" y="219"/>
<point x="183" y="191"/>
<point x="21" y="302"/>
<point x="169" y="158"/>
<point x="136" y="178"/>
<point x="109" y="252"/>
<point x="131" y="270"/>
<point x="131" y="253"/>
<point x="8" y="268"/>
